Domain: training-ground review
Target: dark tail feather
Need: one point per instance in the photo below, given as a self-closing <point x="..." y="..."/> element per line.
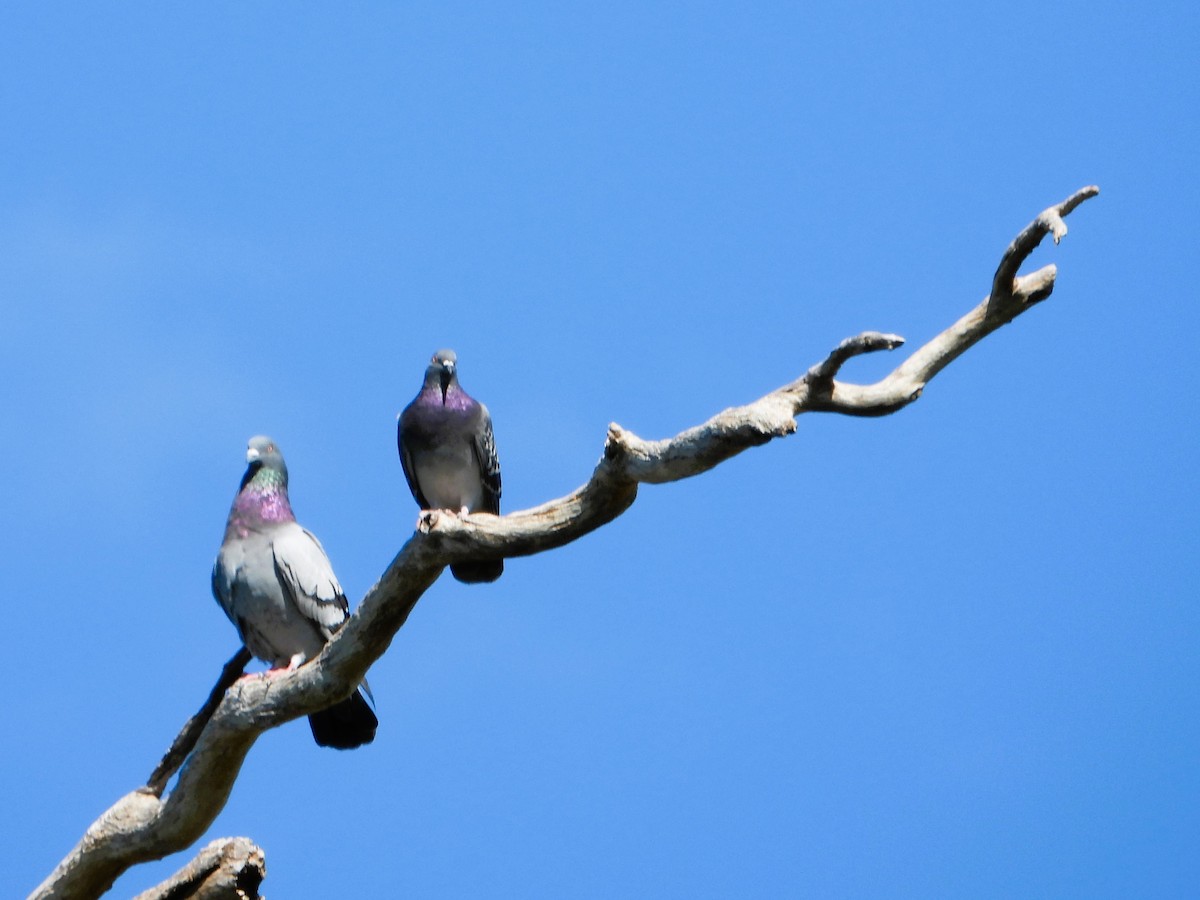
<point x="345" y="725"/>
<point x="478" y="572"/>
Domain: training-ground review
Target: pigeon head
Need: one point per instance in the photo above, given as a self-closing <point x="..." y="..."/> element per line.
<point x="262" y="497"/>
<point x="263" y="456"/>
<point x="263" y="452"/>
<point x="442" y="372"/>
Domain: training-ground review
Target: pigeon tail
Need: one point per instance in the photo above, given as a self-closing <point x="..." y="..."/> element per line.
<point x="478" y="572"/>
<point x="345" y="725"/>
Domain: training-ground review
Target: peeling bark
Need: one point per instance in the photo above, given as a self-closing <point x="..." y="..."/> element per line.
<point x="227" y="869"/>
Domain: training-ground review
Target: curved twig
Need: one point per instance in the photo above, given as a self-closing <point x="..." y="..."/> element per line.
<point x="185" y="741"/>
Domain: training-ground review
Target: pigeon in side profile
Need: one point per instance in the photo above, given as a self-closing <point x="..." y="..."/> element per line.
<point x="275" y="583"/>
<point x="449" y="454"/>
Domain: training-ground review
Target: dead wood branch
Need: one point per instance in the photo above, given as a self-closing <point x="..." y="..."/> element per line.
<point x="144" y="825"/>
<point x="227" y="869"/>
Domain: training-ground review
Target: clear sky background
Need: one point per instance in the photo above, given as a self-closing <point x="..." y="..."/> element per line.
<point x="952" y="652"/>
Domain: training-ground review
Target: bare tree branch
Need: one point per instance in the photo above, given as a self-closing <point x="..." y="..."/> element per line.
<point x="143" y="826"/>
<point x="227" y="869"/>
<point x="1004" y="285"/>
<point x="190" y="733"/>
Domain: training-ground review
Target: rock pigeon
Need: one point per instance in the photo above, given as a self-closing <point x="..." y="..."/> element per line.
<point x="449" y="454"/>
<point x="275" y="583"/>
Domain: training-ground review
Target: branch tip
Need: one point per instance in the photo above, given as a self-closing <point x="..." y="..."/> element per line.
<point x="616" y="442"/>
<point x="867" y="342"/>
<point x="1084" y="193"/>
<point x="186" y="740"/>
<point x="1049" y="221"/>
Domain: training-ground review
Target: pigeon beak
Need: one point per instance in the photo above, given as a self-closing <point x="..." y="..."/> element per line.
<point x="251" y="454"/>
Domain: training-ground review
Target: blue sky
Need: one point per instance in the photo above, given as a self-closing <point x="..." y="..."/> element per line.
<point x="951" y="652"/>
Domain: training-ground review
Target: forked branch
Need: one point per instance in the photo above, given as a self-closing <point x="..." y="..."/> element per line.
<point x="144" y="825"/>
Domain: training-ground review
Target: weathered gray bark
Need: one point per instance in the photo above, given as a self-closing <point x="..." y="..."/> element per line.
<point x="143" y="825"/>
<point x="227" y="869"/>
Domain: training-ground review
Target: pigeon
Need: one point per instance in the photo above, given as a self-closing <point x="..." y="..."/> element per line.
<point x="449" y="454"/>
<point x="276" y="584"/>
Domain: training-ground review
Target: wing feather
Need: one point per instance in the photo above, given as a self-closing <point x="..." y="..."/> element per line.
<point x="406" y="463"/>
<point x="489" y="462"/>
<point x="306" y="575"/>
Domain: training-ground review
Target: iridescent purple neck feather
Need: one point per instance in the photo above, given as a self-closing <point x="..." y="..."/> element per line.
<point x="262" y="501"/>
<point x="453" y="397"/>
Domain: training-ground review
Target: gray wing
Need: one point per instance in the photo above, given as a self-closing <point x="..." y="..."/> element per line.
<point x="229" y="575"/>
<point x="307" y="577"/>
<point x="406" y="462"/>
<point x="222" y="585"/>
<point x="489" y="462"/>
